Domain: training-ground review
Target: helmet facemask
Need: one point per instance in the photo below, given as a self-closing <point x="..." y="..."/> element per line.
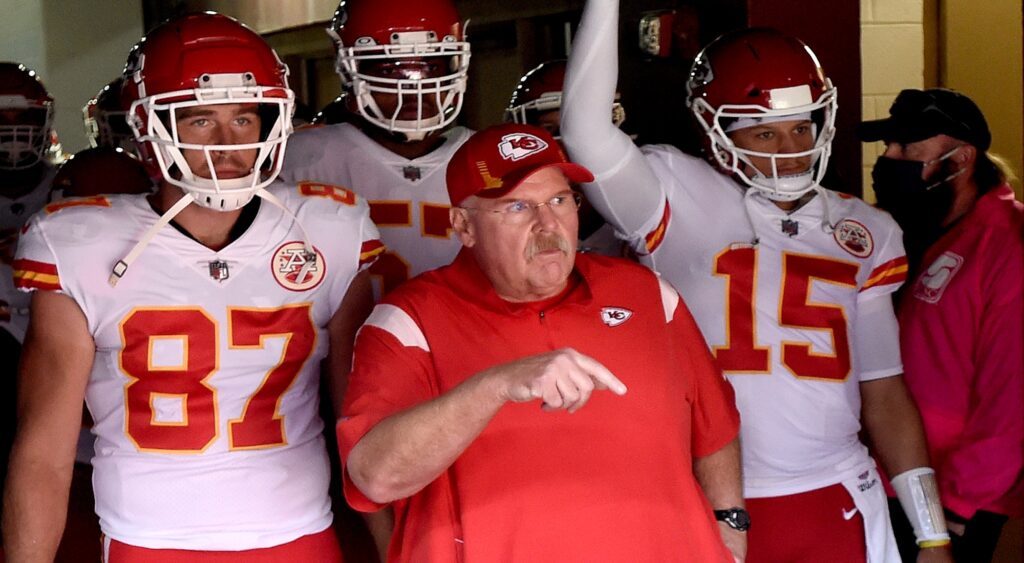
<point x="735" y="160"/>
<point x="437" y="99"/>
<point x="25" y="139"/>
<point x="158" y="130"/>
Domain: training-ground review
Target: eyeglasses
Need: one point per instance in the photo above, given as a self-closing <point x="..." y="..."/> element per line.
<point x="520" y="211"/>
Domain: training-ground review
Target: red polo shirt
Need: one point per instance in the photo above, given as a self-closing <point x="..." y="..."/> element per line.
<point x="611" y="482"/>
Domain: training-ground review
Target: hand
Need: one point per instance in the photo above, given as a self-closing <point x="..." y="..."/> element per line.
<point x="935" y="555"/>
<point x="563" y="379"/>
<point x="734" y="540"/>
<point x="954" y="527"/>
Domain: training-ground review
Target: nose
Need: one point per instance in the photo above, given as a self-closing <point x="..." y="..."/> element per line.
<point x="545" y="216"/>
<point x="790" y="143"/>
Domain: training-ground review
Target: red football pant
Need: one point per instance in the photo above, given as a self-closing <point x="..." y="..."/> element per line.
<point x="314" y="548"/>
<point x="806" y="528"/>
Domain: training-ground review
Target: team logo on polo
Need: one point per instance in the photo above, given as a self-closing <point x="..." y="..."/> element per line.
<point x="614" y="316"/>
<point x="854" y="237"/>
<point x="297" y="270"/>
<point x="517" y="146"/>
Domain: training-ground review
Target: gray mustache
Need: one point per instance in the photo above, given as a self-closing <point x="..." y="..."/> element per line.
<point x="546" y="241"/>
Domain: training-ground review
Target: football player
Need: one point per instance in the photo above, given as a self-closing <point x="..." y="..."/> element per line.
<point x="26" y="125"/>
<point x="193" y="322"/>
<point x="790" y="283"/>
<point x="106" y="123"/>
<point x="403" y="67"/>
<point x="537" y="100"/>
<point x="26" y="120"/>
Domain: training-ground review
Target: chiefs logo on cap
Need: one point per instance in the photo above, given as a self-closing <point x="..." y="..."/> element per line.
<point x="518" y="146"/>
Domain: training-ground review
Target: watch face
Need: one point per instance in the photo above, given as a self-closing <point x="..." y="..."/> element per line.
<point x="736" y="518"/>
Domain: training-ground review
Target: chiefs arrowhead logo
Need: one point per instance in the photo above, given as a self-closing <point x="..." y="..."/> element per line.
<point x="517" y="146"/>
<point x="614" y="316"/>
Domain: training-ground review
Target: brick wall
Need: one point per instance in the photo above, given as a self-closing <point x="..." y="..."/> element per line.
<point x="892" y="58"/>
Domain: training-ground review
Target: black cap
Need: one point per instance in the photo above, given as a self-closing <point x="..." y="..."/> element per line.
<point x="917" y="115"/>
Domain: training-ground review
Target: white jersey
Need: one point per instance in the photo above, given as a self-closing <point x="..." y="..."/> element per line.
<point x="779" y="313"/>
<point x="204" y="387"/>
<point x="797" y="316"/>
<point x="14" y="213"/>
<point x="408" y="198"/>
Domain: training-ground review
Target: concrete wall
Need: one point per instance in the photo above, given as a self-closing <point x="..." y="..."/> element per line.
<point x="76" y="46"/>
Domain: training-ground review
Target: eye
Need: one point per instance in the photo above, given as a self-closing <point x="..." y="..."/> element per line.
<point x="558" y="201"/>
<point x="802" y="129"/>
<point x="517" y="206"/>
<point x="766" y="135"/>
<point x="199" y="122"/>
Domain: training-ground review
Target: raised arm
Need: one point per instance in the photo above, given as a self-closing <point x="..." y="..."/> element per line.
<point x="56" y="363"/>
<point x="625" y="190"/>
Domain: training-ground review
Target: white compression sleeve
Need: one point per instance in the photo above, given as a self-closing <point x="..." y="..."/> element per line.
<point x="625" y="190"/>
<point x="876" y="338"/>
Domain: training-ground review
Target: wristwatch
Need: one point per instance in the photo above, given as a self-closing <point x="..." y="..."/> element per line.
<point x="735" y="518"/>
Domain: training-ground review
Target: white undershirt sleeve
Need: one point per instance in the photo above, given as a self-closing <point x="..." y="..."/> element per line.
<point x="625" y="190"/>
<point x="876" y="338"/>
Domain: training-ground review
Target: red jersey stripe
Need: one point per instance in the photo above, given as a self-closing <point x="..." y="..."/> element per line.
<point x="655" y="237"/>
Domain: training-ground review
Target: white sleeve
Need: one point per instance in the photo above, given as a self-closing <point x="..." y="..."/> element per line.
<point x="876" y="338"/>
<point x="625" y="190"/>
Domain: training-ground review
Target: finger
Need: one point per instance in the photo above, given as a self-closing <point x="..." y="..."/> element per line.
<point x="584" y="386"/>
<point x="550" y="395"/>
<point x="568" y="391"/>
<point x="602" y="376"/>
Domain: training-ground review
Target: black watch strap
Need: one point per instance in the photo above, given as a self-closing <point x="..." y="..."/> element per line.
<point x="736" y="518"/>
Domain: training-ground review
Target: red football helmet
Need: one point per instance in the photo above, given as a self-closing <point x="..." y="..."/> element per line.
<point x="100" y="171"/>
<point x="393" y="48"/>
<point x="540" y="91"/>
<point x="26" y="117"/>
<point x="755" y="76"/>
<point x="201" y="60"/>
<point x="106" y="123"/>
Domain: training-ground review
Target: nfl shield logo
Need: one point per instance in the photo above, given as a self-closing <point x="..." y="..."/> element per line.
<point x="219" y="270"/>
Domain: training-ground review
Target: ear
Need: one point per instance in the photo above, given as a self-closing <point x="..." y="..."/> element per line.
<point x="967" y="155"/>
<point x="462" y="226"/>
<point x="964" y="158"/>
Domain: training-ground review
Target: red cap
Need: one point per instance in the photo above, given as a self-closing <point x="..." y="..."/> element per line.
<point x="495" y="160"/>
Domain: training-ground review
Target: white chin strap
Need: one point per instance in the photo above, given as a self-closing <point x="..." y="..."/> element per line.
<point x="784" y="188"/>
<point x="121" y="267"/>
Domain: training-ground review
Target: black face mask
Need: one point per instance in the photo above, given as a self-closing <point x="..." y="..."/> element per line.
<point x="919" y="205"/>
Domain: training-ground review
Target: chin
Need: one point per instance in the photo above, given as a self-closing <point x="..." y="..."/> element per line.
<point x="553" y="272"/>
